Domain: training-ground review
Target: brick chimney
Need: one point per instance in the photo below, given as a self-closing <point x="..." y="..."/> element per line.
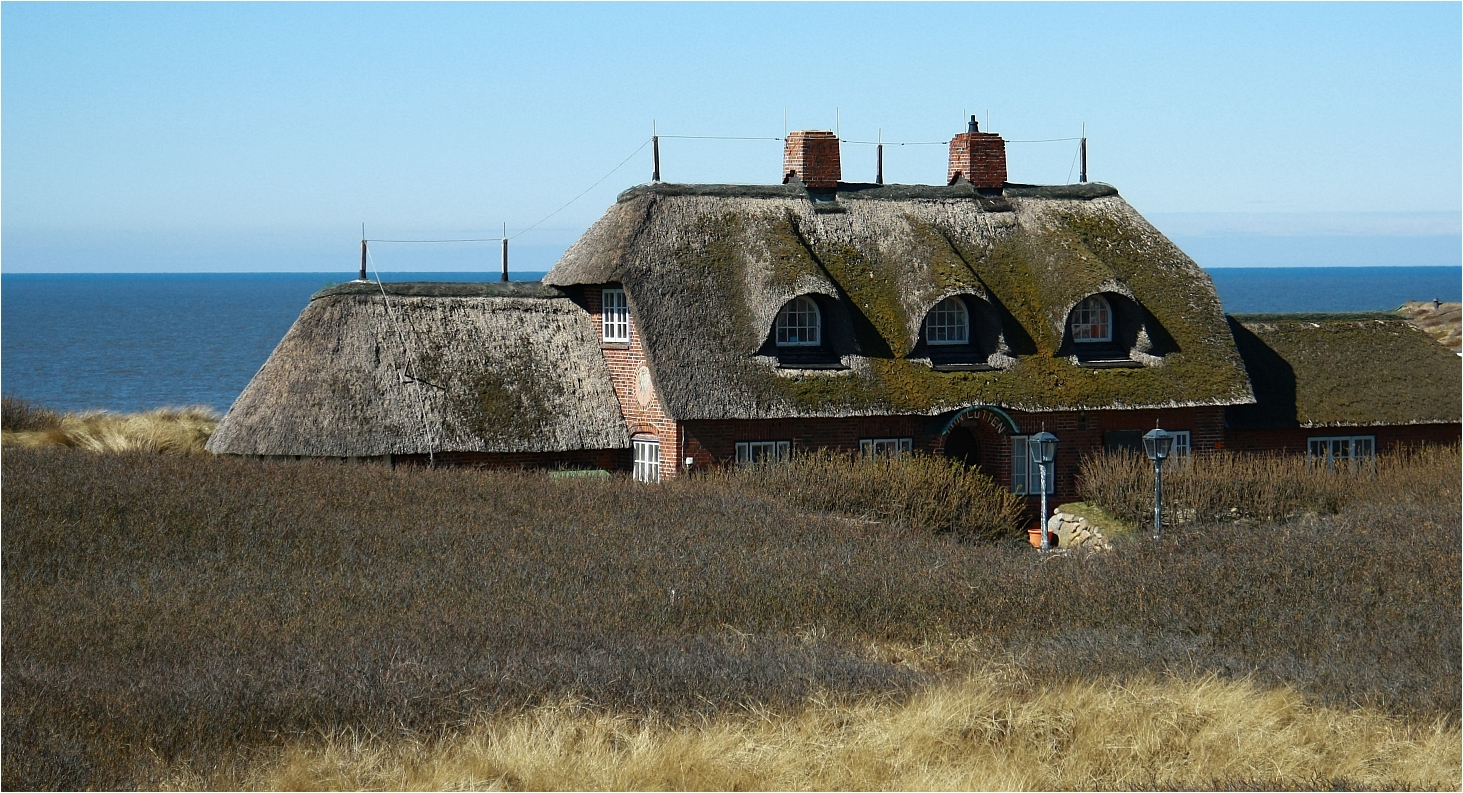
<point x="978" y="157"/>
<point x="812" y="156"/>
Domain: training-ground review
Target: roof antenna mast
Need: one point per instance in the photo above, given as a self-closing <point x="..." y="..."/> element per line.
<point x="1082" y="174"/>
<point x="363" y="252"/>
<point x="654" y="153"/>
<point x="505" y="253"/>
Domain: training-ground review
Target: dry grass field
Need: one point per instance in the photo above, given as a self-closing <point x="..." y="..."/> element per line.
<point x="186" y="621"/>
<point x="172" y="430"/>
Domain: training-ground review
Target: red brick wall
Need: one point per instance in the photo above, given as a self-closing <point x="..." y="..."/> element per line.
<point x="980" y="157"/>
<point x="625" y="361"/>
<point x="813" y="156"/>
<point x="1295" y="441"/>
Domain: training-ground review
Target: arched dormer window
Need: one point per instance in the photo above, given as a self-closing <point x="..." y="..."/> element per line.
<point x="1092" y="320"/>
<point x="799" y="324"/>
<point x="948" y="322"/>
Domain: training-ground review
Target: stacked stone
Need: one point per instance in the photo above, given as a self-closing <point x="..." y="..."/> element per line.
<point x="1076" y="532"/>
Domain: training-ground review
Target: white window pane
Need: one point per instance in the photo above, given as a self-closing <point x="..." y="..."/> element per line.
<point x="798" y="324"/>
<point x="1019" y="466"/>
<point x="948" y="322"/>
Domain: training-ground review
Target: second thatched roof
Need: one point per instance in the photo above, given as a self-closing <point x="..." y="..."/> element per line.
<point x="1336" y="370"/>
<point x="429" y="367"/>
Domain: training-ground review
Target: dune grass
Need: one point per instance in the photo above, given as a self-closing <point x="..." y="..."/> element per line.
<point x="995" y="730"/>
<point x="177" y="430"/>
<point x="190" y="621"/>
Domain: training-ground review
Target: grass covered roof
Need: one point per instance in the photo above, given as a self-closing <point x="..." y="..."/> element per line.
<point x="445" y="367"/>
<point x="707" y="267"/>
<point x="1335" y="370"/>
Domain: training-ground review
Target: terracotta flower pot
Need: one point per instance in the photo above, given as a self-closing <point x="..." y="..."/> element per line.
<point x="1034" y="535"/>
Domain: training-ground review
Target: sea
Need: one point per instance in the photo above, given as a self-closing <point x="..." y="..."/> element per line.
<point x="128" y="342"/>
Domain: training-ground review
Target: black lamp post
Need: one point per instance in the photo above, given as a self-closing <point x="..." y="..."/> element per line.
<point x="1043" y="449"/>
<point x="1159" y="445"/>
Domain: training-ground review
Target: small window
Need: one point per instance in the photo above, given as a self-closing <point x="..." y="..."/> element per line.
<point x="1092" y="320"/>
<point x="798" y="324"/>
<point x="1183" y="443"/>
<point x="948" y="322"/>
<point x="615" y="315"/>
<point x="886" y="447"/>
<point x="763" y="451"/>
<point x="1026" y="473"/>
<point x="647" y="459"/>
<point x="1348" y="450"/>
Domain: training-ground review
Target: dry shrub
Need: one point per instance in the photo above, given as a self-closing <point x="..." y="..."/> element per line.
<point x="1266" y="488"/>
<point x="921" y="492"/>
<point x="994" y="730"/>
<point x="18" y="415"/>
<point x="177" y="430"/>
<point x="182" y="611"/>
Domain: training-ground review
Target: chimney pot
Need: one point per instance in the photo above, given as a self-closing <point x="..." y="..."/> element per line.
<point x="812" y="157"/>
<point x="977" y="157"/>
<point x="974" y="125"/>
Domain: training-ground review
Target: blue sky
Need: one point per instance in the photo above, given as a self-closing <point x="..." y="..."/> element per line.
<point x="258" y="136"/>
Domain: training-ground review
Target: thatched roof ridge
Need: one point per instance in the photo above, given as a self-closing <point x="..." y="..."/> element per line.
<point x="359" y="375"/>
<point x="532" y="289"/>
<point x="1361" y="369"/>
<point x="706" y="267"/>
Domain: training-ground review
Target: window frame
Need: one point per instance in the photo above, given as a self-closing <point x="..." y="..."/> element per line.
<point x="1359" y="449"/>
<point x="647" y="458"/>
<point x="747" y="452"/>
<point x="1183" y="444"/>
<point x="614" y="319"/>
<point x="963" y="324"/>
<point x="1103" y="319"/>
<point x="879" y="448"/>
<point x="780" y="328"/>
<point x="1025" y="473"/>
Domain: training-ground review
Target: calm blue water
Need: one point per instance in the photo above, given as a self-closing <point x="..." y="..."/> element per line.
<point x="135" y="342"/>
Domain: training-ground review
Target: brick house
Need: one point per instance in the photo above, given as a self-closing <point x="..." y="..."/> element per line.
<point x="699" y="325"/>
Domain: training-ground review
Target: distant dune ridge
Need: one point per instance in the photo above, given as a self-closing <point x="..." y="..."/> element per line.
<point x="1440" y="320"/>
<point x="182" y="430"/>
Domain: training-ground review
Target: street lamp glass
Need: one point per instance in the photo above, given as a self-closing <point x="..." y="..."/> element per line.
<point x="1158" y="444"/>
<point x="1043" y="447"/>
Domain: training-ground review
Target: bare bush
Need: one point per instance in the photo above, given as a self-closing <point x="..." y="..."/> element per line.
<point x="165" y="612"/>
<point x="1266" y="488"/>
<point x="919" y="491"/>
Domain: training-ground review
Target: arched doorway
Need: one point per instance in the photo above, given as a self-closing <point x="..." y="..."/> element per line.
<point x="961" y="444"/>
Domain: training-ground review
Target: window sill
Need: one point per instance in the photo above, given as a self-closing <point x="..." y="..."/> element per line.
<point x="1115" y="363"/>
<point x="833" y="366"/>
<point x="614" y="345"/>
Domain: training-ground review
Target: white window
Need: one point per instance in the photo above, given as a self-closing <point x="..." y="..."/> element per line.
<point x="948" y="323"/>
<point x="763" y="451"/>
<point x="1183" y="443"/>
<point x="886" y="447"/>
<point x="798" y="324"/>
<point x="615" y="315"/>
<point x="1026" y="473"/>
<point x="647" y="459"/>
<point x="1345" y="449"/>
<point x="1092" y="320"/>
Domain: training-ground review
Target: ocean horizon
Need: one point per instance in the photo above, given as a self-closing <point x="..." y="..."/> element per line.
<point x="137" y="341"/>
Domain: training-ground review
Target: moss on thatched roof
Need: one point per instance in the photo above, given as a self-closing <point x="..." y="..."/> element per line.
<point x="1319" y="370"/>
<point x="440" y="367"/>
<point x="706" y="268"/>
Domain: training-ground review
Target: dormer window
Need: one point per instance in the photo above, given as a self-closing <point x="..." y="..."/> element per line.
<point x="799" y="324"/>
<point x="1092" y="320"/>
<point x="615" y="315"/>
<point x="948" y="323"/>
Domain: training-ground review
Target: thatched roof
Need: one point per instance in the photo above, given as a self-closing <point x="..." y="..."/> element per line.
<point x="1327" y="370"/>
<point x="446" y="367"/>
<point x="706" y="268"/>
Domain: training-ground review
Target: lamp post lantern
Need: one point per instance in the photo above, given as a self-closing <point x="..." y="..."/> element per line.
<point x="1042" y="448"/>
<point x="1158" y="444"/>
